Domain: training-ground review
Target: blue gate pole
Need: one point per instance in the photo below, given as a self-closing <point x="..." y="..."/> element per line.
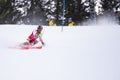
<point x="63" y="22"/>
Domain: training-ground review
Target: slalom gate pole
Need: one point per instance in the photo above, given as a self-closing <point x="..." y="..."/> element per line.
<point x="63" y="22"/>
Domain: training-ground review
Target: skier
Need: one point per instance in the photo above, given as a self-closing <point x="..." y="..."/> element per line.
<point x="35" y="37"/>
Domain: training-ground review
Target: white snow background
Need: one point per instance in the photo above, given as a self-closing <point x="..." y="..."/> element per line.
<point x="77" y="53"/>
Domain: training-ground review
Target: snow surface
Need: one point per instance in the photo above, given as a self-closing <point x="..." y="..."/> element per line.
<point x="77" y="53"/>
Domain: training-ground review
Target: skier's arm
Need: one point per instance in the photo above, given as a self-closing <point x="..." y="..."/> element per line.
<point x="40" y="38"/>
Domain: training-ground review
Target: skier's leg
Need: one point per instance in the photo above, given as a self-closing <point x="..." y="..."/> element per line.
<point x="35" y="42"/>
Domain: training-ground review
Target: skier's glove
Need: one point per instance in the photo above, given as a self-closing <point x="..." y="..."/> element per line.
<point x="28" y="40"/>
<point x="43" y="43"/>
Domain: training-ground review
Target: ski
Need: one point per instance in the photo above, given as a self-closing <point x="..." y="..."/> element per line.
<point x="35" y="47"/>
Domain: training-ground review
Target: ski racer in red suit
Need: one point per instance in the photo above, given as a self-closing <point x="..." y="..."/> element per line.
<point x="35" y="37"/>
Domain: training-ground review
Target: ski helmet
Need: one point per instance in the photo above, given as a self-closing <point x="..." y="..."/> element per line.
<point x="39" y="28"/>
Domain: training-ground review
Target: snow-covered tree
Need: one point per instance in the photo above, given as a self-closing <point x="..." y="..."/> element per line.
<point x="49" y="7"/>
<point x="39" y="11"/>
<point x="5" y="10"/>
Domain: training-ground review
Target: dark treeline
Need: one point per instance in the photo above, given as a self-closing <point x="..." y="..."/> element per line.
<point x="39" y="11"/>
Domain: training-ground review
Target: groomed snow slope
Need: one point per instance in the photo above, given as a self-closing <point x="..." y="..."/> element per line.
<point x="77" y="53"/>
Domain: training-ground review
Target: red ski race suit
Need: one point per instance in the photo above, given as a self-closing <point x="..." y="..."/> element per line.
<point x="34" y="36"/>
